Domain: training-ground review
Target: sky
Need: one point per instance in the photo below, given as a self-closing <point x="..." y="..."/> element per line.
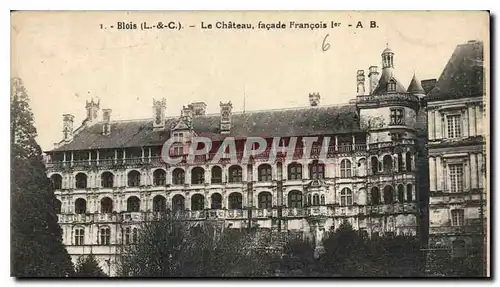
<point x="65" y="58"/>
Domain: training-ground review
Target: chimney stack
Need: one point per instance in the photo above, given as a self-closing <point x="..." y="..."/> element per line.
<point x="187" y="115"/>
<point x="360" y="80"/>
<point x="68" y="127"/>
<point x="225" y="120"/>
<point x="314" y="99"/>
<point x="106" y="119"/>
<point x="92" y="108"/>
<point x="373" y="78"/>
<point x="159" y="110"/>
<point x="199" y="108"/>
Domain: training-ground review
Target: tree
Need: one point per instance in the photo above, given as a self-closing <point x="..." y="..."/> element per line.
<point x="36" y="237"/>
<point x="87" y="266"/>
<point x="298" y="258"/>
<point x="173" y="247"/>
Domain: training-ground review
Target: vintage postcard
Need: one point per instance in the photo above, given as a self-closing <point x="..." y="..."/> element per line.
<point x="250" y="144"/>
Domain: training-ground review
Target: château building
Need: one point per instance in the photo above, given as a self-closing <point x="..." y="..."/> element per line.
<point x="457" y="154"/>
<point x="109" y="176"/>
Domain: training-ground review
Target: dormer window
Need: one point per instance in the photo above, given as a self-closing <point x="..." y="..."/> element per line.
<point x="391" y="86"/>
<point x="178" y="137"/>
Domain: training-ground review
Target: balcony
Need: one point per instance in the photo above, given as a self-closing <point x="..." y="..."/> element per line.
<point x="263" y="213"/>
<point x="132" y="217"/>
<point x="236" y="214"/>
<point x="317" y="211"/>
<point x="293" y="212"/>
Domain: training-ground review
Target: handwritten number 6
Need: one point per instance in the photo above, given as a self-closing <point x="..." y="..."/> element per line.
<point x="326" y="45"/>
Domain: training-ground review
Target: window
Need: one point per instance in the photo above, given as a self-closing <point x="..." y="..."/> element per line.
<point x="401" y="193"/>
<point x="295" y="199"/>
<point x="81" y="180"/>
<point x="56" y="181"/>
<point x="374" y="164"/>
<point x="345" y="168"/>
<point x="454" y="124"/>
<point x="105" y="233"/>
<point x="178" y="176"/>
<point x="79" y="236"/>
<point x="388" y="194"/>
<point x="131" y="235"/>
<point x="135" y="235"/>
<point x="345" y="197"/>
<point x="265" y="172"/>
<point x="127" y="235"/>
<point x="409" y="192"/>
<point x="216" y="201"/>
<point x="197" y="175"/>
<point x="375" y="195"/>
<point x="134" y="178"/>
<point x="107" y="179"/>
<point x="106" y="205"/>
<point x="216" y="174"/>
<point x="197" y="202"/>
<point x="294" y="171"/>
<point x="265" y="200"/>
<point x="178" y="150"/>
<point x="387" y="162"/>
<point x="391" y="86"/>
<point x="159" y="177"/>
<point x="80" y="206"/>
<point x="235" y="174"/>
<point x="400" y="162"/>
<point x="235" y="201"/>
<point x="456" y="175"/>
<point x="159" y="204"/>
<point x="309" y="200"/>
<point x="178" y="137"/>
<point x="457" y="217"/>
<point x="317" y="170"/>
<point x="57" y="206"/>
<point x="315" y="200"/>
<point x="178" y="203"/>
<point x="322" y="199"/>
<point x="408" y="161"/>
<point x="397" y="116"/>
<point x="133" y="204"/>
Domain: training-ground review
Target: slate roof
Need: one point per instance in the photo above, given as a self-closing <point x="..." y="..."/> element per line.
<point x="463" y="75"/>
<point x="415" y="86"/>
<point x="287" y="122"/>
<point x="387" y="75"/>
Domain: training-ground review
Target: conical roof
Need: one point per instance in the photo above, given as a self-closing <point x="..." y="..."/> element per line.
<point x="415" y="86"/>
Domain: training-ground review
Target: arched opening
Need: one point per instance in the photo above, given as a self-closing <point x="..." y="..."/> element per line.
<point x="400" y="162"/>
<point x="345" y="197"/>
<point x="316" y="170"/>
<point x="56" y="181"/>
<point x="265" y="172"/>
<point x="375" y="195"/>
<point x="374" y="165"/>
<point x="133" y="204"/>
<point x="295" y="199"/>
<point x="409" y="192"/>
<point x="265" y="200"/>
<point x="81" y="180"/>
<point x="134" y="178"/>
<point x="159" y="177"/>
<point x="401" y="193"/>
<point x="197" y="175"/>
<point x="106" y="205"/>
<point x="235" y="200"/>
<point x="80" y="206"/>
<point x="197" y="202"/>
<point x="178" y="176"/>
<point x="235" y="173"/>
<point x="316" y="199"/>
<point x="295" y="171"/>
<point x="57" y="206"/>
<point x="216" y="174"/>
<point x="345" y="168"/>
<point x="362" y="167"/>
<point x="178" y="203"/>
<point x="216" y="200"/>
<point x="408" y="161"/>
<point x="309" y="200"/>
<point x="159" y="203"/>
<point x="322" y="199"/>
<point x="388" y="194"/>
<point x="387" y="163"/>
<point x="107" y="179"/>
